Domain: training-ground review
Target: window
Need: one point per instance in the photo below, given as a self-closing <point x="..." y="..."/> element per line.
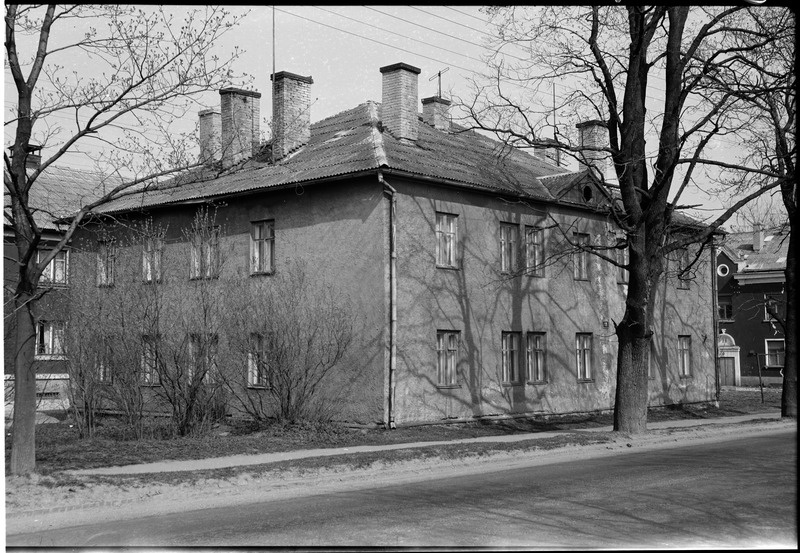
<point x="534" y="251"/>
<point x="50" y="340"/>
<point x="536" y="348"/>
<point x="262" y="242"/>
<point x="508" y="247"/>
<point x="510" y="366"/>
<point x="775" y="353"/>
<point x="56" y="271"/>
<point x="683" y="269"/>
<point x="446" y="240"/>
<point x="623" y="258"/>
<point x="105" y="263"/>
<point x="447" y="357"/>
<point x="103" y="361"/>
<point x="256" y="361"/>
<point x="580" y="259"/>
<point x="685" y="356"/>
<point x="583" y="355"/>
<point x="205" y="253"/>
<point x="771" y="308"/>
<point x="202" y="356"/>
<point x="152" y="252"/>
<point x="725" y="308"/>
<point x="150" y="360"/>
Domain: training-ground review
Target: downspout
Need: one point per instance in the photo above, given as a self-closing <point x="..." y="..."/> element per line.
<point x="392" y="296"/>
<point x="715" y="316"/>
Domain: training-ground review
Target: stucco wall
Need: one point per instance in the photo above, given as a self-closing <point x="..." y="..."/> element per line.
<point x="336" y="231"/>
<point x="480" y="303"/>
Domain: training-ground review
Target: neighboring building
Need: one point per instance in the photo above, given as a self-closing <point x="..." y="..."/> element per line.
<point x="57" y="192"/>
<point x="423" y="225"/>
<point x="751" y="299"/>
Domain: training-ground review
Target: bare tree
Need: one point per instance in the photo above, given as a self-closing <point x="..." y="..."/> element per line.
<point x="148" y="67"/>
<point x="617" y="57"/>
<point x="290" y="333"/>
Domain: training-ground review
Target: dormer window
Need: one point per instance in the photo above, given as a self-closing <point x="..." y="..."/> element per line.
<point x="588" y="194"/>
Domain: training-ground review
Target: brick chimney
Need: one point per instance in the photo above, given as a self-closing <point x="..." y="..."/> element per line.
<point x="436" y="112"/>
<point x="399" y="112"/>
<point x="758" y="237"/>
<point x="593" y="134"/>
<point x="291" y="112"/>
<point x="209" y="127"/>
<point x="240" y="127"/>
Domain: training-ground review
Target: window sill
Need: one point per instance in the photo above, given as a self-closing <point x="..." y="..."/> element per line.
<point x="448" y="267"/>
<point x="536" y="382"/>
<point x="157" y="281"/>
<point x="585" y="380"/>
<point x="257" y="387"/>
<point x="581" y="279"/>
<point x="686" y="377"/>
<point x="49" y="357"/>
<point x="261" y="273"/>
<point x="511" y="384"/>
<point x="726" y="321"/>
<point x="448" y="386"/>
<point x="53" y="284"/>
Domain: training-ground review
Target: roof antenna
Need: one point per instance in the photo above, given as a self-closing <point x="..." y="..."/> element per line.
<point x="439" y="74"/>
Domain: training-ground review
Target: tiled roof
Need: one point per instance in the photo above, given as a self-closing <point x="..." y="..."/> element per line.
<point x="354" y="142"/>
<point x="771" y="256"/>
<point x="59" y="192"/>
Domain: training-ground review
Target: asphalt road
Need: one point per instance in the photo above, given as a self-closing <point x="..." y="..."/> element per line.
<point x="739" y="493"/>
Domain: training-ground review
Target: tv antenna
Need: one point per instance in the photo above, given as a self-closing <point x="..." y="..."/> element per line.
<point x="439" y="75"/>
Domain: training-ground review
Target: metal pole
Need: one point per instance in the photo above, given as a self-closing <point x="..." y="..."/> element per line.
<point x="760" y="383"/>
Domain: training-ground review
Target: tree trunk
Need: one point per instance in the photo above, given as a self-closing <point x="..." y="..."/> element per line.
<point x="23" y="443"/>
<point x="789" y="397"/>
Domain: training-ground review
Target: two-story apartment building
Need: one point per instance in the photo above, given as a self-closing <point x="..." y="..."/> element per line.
<point x="752" y="302"/>
<point x="465" y="261"/>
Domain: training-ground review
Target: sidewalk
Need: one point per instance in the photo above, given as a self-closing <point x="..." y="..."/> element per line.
<point x="265" y="458"/>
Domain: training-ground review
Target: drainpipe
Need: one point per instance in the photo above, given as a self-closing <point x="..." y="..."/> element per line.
<point x="392" y="295"/>
<point x="715" y="315"/>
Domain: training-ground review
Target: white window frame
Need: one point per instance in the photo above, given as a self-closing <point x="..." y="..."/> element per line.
<point x="50" y="274"/>
<point x="205" y="254"/>
<point x="447" y="342"/>
<point x="106" y="256"/>
<point x="152" y="257"/>
<point x="768" y="300"/>
<point x="580" y="259"/>
<point x="446" y="240"/>
<point x="50" y="336"/>
<point x="509" y="238"/>
<point x="534" y="251"/>
<point x="781" y="353"/>
<point x="103" y="362"/>
<point x="510" y="373"/>
<point x="262" y="247"/>
<point x="256" y="375"/>
<point x="685" y="356"/>
<point x="536" y="357"/>
<point x="583" y="355"/>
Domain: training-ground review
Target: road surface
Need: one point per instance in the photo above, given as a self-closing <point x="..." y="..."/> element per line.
<point x="737" y="493"/>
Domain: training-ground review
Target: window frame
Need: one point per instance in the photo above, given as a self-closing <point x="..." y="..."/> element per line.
<point x="257" y="264"/>
<point x="49" y="273"/>
<point x="624" y="259"/>
<point x="725" y="301"/>
<point x="584" y="362"/>
<point x="150" y="362"/>
<point x="580" y="258"/>
<point x="106" y="260"/>
<point x="152" y="259"/>
<point x="205" y="254"/>
<point x="534" y="250"/>
<point x="781" y="353"/>
<point x="509" y="245"/>
<point x="536" y="358"/>
<point x="510" y="373"/>
<point x="685" y="356"/>
<point x="444" y="237"/>
<point x="203" y="351"/>
<point x="447" y="348"/>
<point x="50" y="333"/>
<point x="256" y="375"/>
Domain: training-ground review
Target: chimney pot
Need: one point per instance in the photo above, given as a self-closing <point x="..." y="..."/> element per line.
<point x="436" y="112"/>
<point x="399" y="112"/>
<point x="594" y="134"/>
<point x="240" y="125"/>
<point x="291" y="112"/>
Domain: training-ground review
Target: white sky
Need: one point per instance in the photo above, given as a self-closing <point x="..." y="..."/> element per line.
<point x="342" y="48"/>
